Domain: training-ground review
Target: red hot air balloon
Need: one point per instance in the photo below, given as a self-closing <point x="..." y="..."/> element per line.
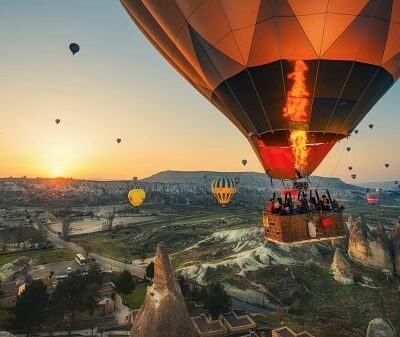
<point x="295" y="77"/>
<point x="372" y="198"/>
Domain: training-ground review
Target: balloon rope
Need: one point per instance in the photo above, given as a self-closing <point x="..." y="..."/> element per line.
<point x="339" y="159"/>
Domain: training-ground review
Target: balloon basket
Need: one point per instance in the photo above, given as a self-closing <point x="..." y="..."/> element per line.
<point x="294" y="228"/>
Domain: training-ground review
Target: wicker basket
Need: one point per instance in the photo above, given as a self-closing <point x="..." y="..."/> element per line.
<point x="294" y="227"/>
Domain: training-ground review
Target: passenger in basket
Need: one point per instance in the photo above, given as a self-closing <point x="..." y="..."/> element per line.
<point x="270" y="206"/>
<point x="300" y="207"/>
<point x="312" y="204"/>
<point x="278" y="207"/>
<point x="325" y="203"/>
<point x="287" y="207"/>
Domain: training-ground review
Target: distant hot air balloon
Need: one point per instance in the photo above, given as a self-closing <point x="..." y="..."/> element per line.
<point x="295" y="77"/>
<point x="372" y="198"/>
<point x="136" y="196"/>
<point x="387" y="165"/>
<point x="244" y="162"/>
<point x="118" y="140"/>
<point x="57" y="121"/>
<point x="74" y="48"/>
<point x="353" y="176"/>
<point x="371" y="126"/>
<point x="348" y="149"/>
<point x="356" y="131"/>
<point x="396" y="182"/>
<point x="135" y="179"/>
<point x="350" y="168"/>
<point x="223" y="189"/>
<point x="237" y="181"/>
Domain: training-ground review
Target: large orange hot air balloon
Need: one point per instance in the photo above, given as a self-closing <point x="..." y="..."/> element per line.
<point x="294" y="76"/>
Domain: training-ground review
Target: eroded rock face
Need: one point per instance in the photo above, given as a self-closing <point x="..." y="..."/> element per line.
<point x="395" y="237"/>
<point x="370" y="248"/>
<point x="380" y="328"/>
<point x="163" y="313"/>
<point x="341" y="268"/>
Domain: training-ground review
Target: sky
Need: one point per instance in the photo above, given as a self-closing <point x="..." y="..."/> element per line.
<point x="118" y="86"/>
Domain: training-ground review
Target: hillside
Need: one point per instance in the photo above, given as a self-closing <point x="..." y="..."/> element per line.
<point x="247" y="179"/>
<point x="385" y="185"/>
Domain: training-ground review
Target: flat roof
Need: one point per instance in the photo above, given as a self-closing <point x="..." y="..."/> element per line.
<point x="206" y="325"/>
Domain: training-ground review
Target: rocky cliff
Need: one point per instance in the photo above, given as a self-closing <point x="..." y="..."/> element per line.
<point x="371" y="248"/>
<point x="163" y="313"/>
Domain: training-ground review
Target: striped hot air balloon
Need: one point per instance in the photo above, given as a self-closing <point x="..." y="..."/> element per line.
<point x="295" y="77"/>
<point x="223" y="189"/>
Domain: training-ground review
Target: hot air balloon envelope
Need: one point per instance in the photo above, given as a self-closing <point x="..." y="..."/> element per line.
<point x="136" y="196"/>
<point x="295" y="77"/>
<point x="223" y="189"/>
<point x="350" y="168"/>
<point x="372" y="198"/>
<point x="74" y="48"/>
<point x="118" y="140"/>
<point x="289" y="191"/>
<point x="348" y="149"/>
<point x="57" y="121"/>
<point x="353" y="176"/>
<point x="244" y="162"/>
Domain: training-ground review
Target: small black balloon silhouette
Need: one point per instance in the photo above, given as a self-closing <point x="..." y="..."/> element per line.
<point x="57" y="121"/>
<point x="348" y="149"/>
<point x="74" y="48"/>
<point x="371" y="126"/>
<point x="118" y="140"/>
<point x="355" y="131"/>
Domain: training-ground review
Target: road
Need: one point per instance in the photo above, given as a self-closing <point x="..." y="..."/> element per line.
<point x="105" y="262"/>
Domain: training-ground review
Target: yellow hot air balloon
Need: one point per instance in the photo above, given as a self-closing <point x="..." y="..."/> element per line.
<point x="223" y="189"/>
<point x="136" y="196"/>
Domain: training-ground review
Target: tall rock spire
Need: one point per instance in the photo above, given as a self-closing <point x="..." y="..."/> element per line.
<point x="164" y="312"/>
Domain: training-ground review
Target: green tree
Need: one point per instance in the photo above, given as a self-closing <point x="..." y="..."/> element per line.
<point x="125" y="283"/>
<point x="217" y="300"/>
<point x="70" y="294"/>
<point x="94" y="273"/>
<point x="31" y="305"/>
<point x="150" y="270"/>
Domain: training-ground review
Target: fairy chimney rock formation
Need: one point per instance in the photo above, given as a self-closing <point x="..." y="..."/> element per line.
<point x="370" y="248"/>
<point x="164" y="312"/>
<point x="395" y="237"/>
<point x="380" y="328"/>
<point x="341" y="268"/>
